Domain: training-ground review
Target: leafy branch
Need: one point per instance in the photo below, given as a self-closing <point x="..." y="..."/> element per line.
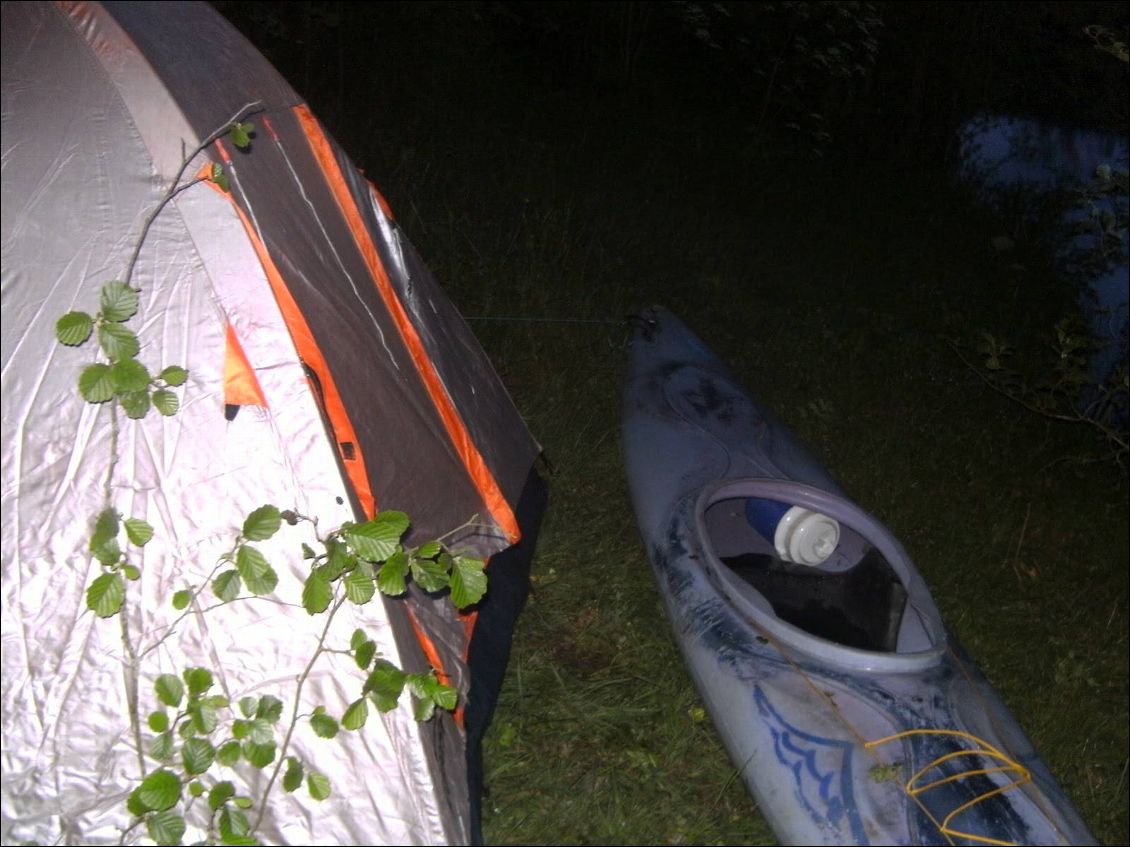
<point x="192" y="731"/>
<point x="355" y="561"/>
<point x="1057" y="398"/>
<point x="122" y="377"/>
<point x="240" y="135"/>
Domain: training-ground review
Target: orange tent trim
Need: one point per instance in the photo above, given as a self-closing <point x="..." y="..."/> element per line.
<point x="311" y="355"/>
<point x="461" y="439"/>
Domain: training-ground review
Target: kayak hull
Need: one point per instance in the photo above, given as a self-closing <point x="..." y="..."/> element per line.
<point x="851" y="713"/>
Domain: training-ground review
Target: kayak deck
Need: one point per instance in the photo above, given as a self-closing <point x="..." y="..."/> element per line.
<point x="852" y="715"/>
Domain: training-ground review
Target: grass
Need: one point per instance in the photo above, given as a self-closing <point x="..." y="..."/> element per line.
<point x="837" y="324"/>
<point x="829" y="287"/>
<point x="829" y="290"/>
<point x="599" y="736"/>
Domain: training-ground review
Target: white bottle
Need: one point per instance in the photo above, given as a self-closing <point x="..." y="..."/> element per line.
<point x="798" y="534"/>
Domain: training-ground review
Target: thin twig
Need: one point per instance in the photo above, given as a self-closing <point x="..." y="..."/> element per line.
<point x="1020" y="545"/>
<point x="1118" y="441"/>
<point x="175" y="188"/>
<point x="321" y="648"/>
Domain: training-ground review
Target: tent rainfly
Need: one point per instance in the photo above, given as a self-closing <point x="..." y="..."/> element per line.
<point x="327" y="373"/>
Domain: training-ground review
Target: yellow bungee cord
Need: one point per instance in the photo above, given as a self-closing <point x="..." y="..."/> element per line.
<point x="914" y="790"/>
<point x="981" y="748"/>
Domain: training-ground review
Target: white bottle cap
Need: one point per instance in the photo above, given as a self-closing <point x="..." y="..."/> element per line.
<point x="807" y="538"/>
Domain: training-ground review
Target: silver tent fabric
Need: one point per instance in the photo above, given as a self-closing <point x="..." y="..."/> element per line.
<point x="100" y="102"/>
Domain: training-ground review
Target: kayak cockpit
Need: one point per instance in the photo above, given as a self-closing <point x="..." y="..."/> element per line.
<point x="816" y="573"/>
<point x="859" y="607"/>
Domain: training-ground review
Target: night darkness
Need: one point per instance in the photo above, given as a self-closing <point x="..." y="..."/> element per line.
<point x="779" y="174"/>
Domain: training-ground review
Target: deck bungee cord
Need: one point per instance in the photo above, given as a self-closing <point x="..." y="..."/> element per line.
<point x="913" y="790"/>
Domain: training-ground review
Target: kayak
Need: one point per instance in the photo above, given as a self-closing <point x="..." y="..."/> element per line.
<point x="852" y="714"/>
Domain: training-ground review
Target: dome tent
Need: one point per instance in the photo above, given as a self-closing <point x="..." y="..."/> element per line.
<point x="328" y="374"/>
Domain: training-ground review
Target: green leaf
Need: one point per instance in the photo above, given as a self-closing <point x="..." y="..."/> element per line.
<point x="356" y="715"/>
<point x="119" y="302"/>
<point x="429" y="693"/>
<point x="160" y="790"/>
<point x="250" y="562"/>
<point x="259" y="755"/>
<point x="445" y="697"/>
<point x="158" y="721"/>
<point x="228" y="754"/>
<point x="129" y="376"/>
<point x="357" y="638"/>
<point x="468" y="581"/>
<point x="365" y="654"/>
<point x="269" y="709"/>
<point x="319" y="786"/>
<point x="220" y="178"/>
<point x="262" y="523"/>
<point x="220" y="794"/>
<point x="96" y="383"/>
<point x="218" y="701"/>
<point x="260" y="731"/>
<point x="292" y="778"/>
<point x="196" y="788"/>
<point x="240" y="728"/>
<point x="385" y="684"/>
<point x="166" y="827"/>
<point x="106" y="528"/>
<point x="323" y="725"/>
<point x="378" y="538"/>
<point x="241" y="134"/>
<point x="131" y="573"/>
<point x="74" y="328"/>
<point x="104" y="539"/>
<point x="359" y="584"/>
<point x="198" y="680"/>
<point x="163" y="747"/>
<point x="181" y="600"/>
<point x="203" y="716"/>
<point x="106" y="594"/>
<point x="138" y="531"/>
<point x="248" y="705"/>
<point x="197" y="755"/>
<point x="338" y="560"/>
<point x="392" y="579"/>
<point x="232" y="840"/>
<point x="429" y="550"/>
<point x="418" y="684"/>
<point x="423" y="710"/>
<point x="259" y="576"/>
<point x="234" y="829"/>
<point x="107" y="552"/>
<point x="166" y="402"/>
<point x="226" y="586"/>
<point x="448" y="700"/>
<point x="307" y="551"/>
<point x="135" y="805"/>
<point x="118" y="342"/>
<point x="430" y="575"/>
<point x="169" y="690"/>
<point x="135" y="404"/>
<point x="173" y="375"/>
<point x="316" y="594"/>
